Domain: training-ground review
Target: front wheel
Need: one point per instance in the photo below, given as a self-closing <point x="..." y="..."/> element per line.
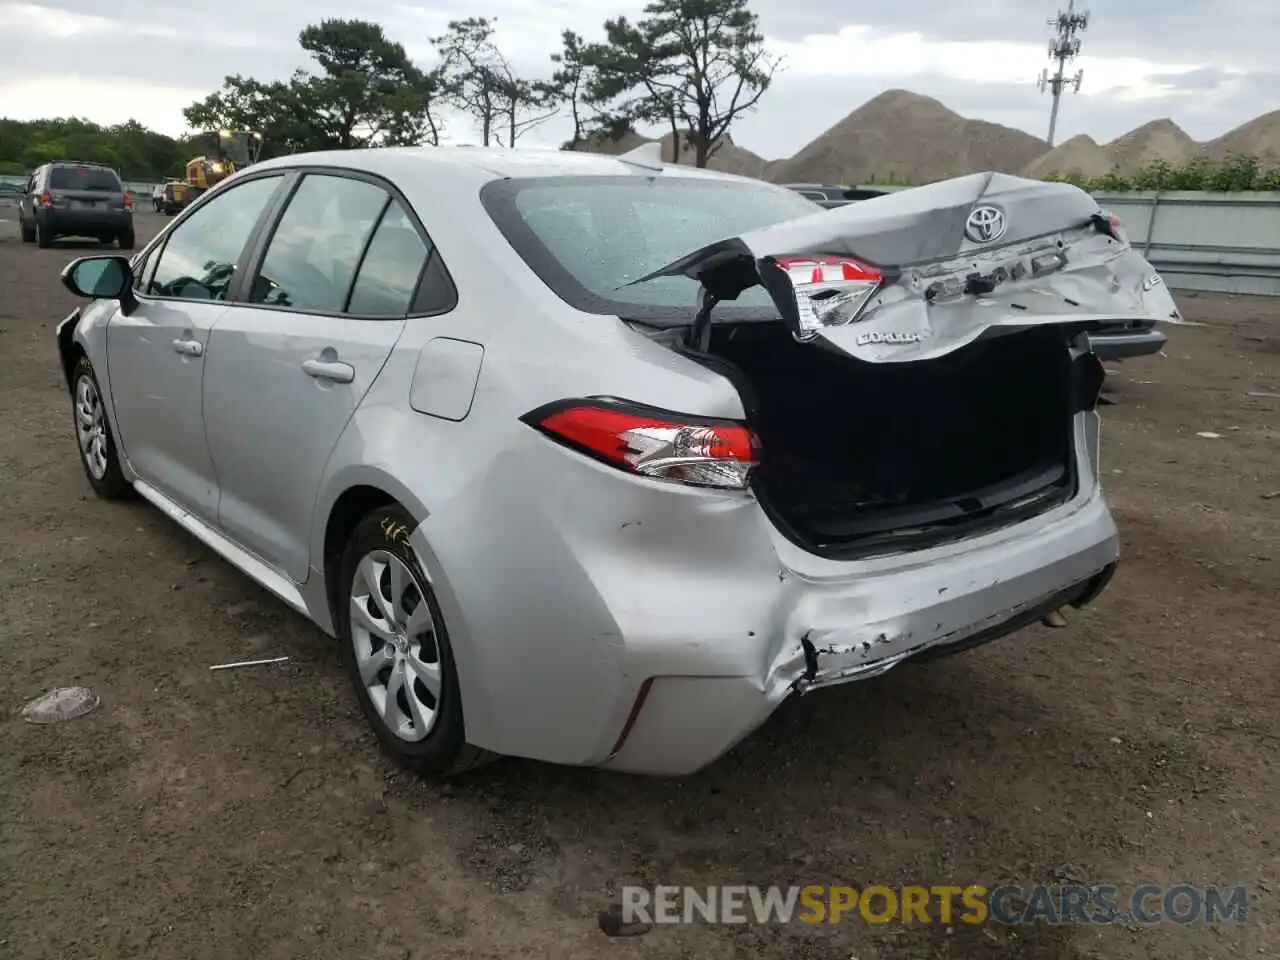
<point x="98" y="452"/>
<point x="27" y="230"/>
<point x="397" y="649"/>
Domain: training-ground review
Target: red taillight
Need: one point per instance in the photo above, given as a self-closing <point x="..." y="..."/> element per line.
<point x="665" y="446"/>
<point x="128" y="201"/>
<point x="1117" y="228"/>
<point x="828" y="270"/>
<point x="829" y="291"/>
<point x="46" y="200"/>
<point x="1112" y="226"/>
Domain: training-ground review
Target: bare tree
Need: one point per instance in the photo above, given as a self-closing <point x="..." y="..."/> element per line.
<point x="480" y="82"/>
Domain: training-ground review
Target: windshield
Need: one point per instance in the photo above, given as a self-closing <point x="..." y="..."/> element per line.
<point x="84" y="178"/>
<point x="587" y="237"/>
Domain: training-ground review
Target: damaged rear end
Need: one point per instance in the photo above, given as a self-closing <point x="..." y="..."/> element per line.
<point x="929" y="377"/>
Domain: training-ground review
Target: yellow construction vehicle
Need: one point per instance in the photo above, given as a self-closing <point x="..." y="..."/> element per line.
<point x="226" y="152"/>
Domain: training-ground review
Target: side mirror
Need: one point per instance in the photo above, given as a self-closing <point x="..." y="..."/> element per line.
<point x="98" y="278"/>
<point x="101" y="278"/>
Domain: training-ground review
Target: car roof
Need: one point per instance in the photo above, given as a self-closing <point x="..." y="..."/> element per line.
<point x="483" y="164"/>
<point x="81" y="163"/>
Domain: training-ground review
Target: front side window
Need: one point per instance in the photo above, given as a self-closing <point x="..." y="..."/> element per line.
<point x="315" y="250"/>
<point x="198" y="260"/>
<point x="390" y="269"/>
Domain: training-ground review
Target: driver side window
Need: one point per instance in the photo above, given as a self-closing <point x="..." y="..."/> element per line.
<point x="198" y="260"/>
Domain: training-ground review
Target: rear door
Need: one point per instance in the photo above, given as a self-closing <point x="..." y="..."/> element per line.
<point x="290" y="363"/>
<point x="156" y="355"/>
<point x="85" y="188"/>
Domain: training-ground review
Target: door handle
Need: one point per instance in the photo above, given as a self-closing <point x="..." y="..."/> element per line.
<point x="334" y="370"/>
<point x="188" y="348"/>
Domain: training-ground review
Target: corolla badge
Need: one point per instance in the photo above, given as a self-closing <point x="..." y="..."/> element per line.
<point x="890" y="336"/>
<point x="985" y="224"/>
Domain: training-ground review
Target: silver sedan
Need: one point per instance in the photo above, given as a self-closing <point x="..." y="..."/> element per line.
<point x="596" y="461"/>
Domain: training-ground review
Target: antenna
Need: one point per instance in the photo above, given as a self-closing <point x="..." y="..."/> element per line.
<point x="1063" y="48"/>
<point x="647" y="156"/>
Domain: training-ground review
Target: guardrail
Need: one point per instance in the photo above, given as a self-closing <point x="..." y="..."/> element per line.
<point x="1222" y="242"/>
<point x="139" y="188"/>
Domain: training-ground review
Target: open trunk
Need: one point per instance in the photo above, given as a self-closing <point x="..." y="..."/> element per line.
<point x="930" y="355"/>
<point x="861" y="457"/>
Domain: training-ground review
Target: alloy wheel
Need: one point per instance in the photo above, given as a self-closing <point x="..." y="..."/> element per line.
<point x="91" y="426"/>
<point x="395" y="645"/>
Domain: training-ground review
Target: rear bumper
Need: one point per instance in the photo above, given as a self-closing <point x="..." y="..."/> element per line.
<point x="827" y="635"/>
<point x="603" y="620"/>
<point x="74" y="222"/>
<point x="1126" y="345"/>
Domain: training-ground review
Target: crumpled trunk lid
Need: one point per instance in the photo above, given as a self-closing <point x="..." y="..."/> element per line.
<point x="919" y="273"/>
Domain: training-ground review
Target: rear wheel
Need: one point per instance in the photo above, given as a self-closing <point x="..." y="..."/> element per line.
<point x="43" y="238"/>
<point x="397" y="649"/>
<point x="98" y="452"/>
<point x="126" y="239"/>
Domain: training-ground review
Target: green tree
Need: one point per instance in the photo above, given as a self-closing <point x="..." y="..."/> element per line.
<point x="367" y="93"/>
<point x="570" y="85"/>
<point x="136" y="152"/>
<point x="695" y="65"/>
<point x="480" y="82"/>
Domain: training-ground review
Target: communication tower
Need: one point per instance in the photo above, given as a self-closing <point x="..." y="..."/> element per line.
<point x="1063" y="48"/>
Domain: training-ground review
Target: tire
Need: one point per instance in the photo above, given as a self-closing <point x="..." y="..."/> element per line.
<point x="94" y="439"/>
<point x="43" y="240"/>
<point x="27" y="230"/>
<point x="126" y="239"/>
<point x="379" y="547"/>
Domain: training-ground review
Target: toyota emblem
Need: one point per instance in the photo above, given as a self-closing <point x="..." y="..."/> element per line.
<point x="985" y="224"/>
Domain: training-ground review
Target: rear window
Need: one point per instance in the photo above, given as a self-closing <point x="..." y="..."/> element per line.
<point x="84" y="178"/>
<point x="587" y="237"/>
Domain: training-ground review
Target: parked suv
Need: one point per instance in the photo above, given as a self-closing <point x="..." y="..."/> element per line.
<point x="70" y="199"/>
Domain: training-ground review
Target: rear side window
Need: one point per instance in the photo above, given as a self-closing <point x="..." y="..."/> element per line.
<point x="313" y="255"/>
<point x="391" y="267"/>
<point x="99" y="179"/>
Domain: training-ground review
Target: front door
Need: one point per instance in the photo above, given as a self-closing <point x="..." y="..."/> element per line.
<point x="156" y="356"/>
<point x="288" y="367"/>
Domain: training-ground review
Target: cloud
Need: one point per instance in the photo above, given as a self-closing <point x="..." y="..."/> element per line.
<point x="1206" y="66"/>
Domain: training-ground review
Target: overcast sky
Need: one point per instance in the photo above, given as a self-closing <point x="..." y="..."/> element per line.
<point x="1208" y="65"/>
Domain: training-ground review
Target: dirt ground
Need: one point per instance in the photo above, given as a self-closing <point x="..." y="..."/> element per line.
<point x="248" y="813"/>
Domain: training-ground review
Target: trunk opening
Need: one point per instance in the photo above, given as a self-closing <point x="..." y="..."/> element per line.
<point x="864" y="458"/>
